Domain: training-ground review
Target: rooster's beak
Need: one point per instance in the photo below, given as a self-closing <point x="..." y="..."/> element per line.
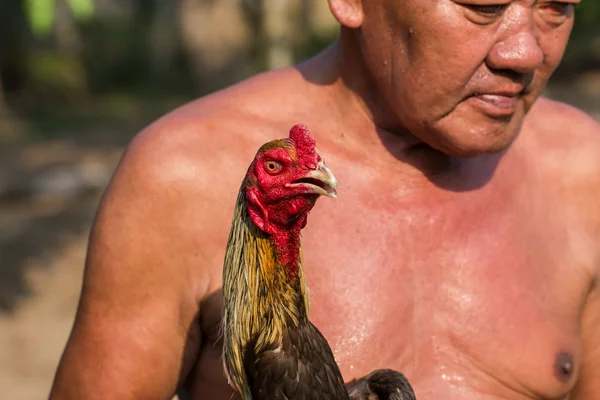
<point x="319" y="181"/>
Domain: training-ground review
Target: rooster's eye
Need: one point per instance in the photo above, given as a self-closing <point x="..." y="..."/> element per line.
<point x="273" y="167"/>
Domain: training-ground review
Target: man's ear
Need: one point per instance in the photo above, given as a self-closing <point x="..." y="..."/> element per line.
<point x="349" y="13"/>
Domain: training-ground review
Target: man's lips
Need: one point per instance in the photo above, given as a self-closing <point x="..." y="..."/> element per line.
<point x="499" y="100"/>
<point x="496" y="104"/>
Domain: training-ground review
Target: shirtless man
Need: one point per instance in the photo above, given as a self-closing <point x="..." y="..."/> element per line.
<point x="464" y="246"/>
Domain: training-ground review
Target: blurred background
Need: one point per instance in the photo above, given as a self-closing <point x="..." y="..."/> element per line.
<point x="80" y="77"/>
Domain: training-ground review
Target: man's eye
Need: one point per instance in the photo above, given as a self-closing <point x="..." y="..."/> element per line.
<point x="487" y="10"/>
<point x="557" y="8"/>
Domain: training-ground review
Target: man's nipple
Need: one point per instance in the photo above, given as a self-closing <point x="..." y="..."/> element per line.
<point x="563" y="366"/>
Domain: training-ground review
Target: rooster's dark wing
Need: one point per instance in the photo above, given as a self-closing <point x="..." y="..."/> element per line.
<point x="302" y="366"/>
<point x="381" y="384"/>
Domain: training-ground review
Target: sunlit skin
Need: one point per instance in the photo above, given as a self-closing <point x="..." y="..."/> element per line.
<point x="458" y="75"/>
<point x="463" y="248"/>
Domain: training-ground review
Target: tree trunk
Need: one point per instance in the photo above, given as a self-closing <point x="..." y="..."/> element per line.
<point x="163" y="36"/>
<point x="320" y="20"/>
<point x="2" y="100"/>
<point x="280" y="27"/>
<point x="68" y="38"/>
<point x="10" y="128"/>
<point x="218" y="39"/>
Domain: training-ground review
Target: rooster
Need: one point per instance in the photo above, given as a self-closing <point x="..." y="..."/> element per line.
<point x="271" y="350"/>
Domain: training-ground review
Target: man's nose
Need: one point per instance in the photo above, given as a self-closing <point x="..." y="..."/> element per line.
<point x="519" y="51"/>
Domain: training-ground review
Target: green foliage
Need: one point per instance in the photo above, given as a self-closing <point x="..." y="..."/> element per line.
<point x="82" y="9"/>
<point x="588" y="12"/>
<point x="583" y="50"/>
<point x="42" y="13"/>
<point x="61" y="73"/>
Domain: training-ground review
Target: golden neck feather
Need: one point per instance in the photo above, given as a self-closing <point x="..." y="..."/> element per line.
<point x="259" y="298"/>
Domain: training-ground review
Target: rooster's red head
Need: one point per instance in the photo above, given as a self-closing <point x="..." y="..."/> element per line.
<point x="284" y="181"/>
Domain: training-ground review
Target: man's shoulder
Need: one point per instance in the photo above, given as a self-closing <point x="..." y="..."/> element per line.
<point x="563" y="139"/>
<point x="223" y="127"/>
<point x="219" y="129"/>
<point x="561" y="149"/>
<point x="199" y="152"/>
<point x="563" y="126"/>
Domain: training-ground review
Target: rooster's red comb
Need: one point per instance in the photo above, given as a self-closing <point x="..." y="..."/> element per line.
<point x="301" y="138"/>
<point x="305" y="145"/>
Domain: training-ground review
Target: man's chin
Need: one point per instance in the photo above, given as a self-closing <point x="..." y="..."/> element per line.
<point x="459" y="138"/>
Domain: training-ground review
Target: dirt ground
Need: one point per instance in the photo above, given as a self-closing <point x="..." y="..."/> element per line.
<point x="51" y="191"/>
<point x="42" y="251"/>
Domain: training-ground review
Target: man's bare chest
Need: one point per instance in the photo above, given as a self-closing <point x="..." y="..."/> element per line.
<point x="448" y="296"/>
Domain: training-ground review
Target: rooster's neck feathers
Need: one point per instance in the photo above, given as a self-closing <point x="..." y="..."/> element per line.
<point x="260" y="297"/>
